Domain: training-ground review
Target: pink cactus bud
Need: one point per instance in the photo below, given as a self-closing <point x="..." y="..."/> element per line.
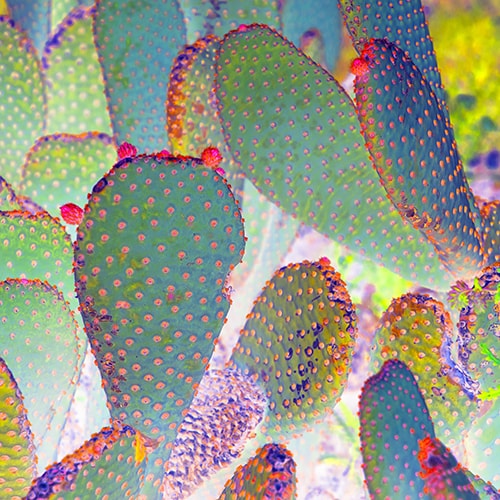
<point x="243" y="27"/>
<point x="359" y="66"/>
<point x="325" y="261"/>
<point x="211" y="157"/>
<point x="164" y="153"/>
<point x="71" y="214"/>
<point x="126" y="150"/>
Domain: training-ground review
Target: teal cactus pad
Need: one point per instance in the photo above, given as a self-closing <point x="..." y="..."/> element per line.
<point x="135" y="71"/>
<point x="40" y="344"/>
<point x="217" y="18"/>
<point x="417" y="330"/>
<point x="75" y="88"/>
<point x="403" y="23"/>
<point x="17" y="467"/>
<point x="222" y="417"/>
<point x="269" y="474"/>
<point x="305" y="22"/>
<point x="108" y="465"/>
<point x="443" y="476"/>
<point x="36" y="247"/>
<point x="393" y="419"/>
<point x="22" y="109"/>
<point x="63" y="168"/>
<point x="305" y="152"/>
<point x="415" y="155"/>
<point x="297" y="345"/>
<point x="490" y="231"/>
<point x="159" y="236"/>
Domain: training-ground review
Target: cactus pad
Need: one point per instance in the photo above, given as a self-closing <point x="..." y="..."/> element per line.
<point x="270" y="474"/>
<point x="393" y="419"/>
<point x="157" y="240"/>
<point x="415" y="154"/>
<point x="134" y="72"/>
<point x="298" y="343"/>
<point x="40" y="345"/>
<point x="490" y="231"/>
<point x="22" y="87"/>
<point x="305" y="151"/>
<point x="226" y="409"/>
<point x="17" y="467"/>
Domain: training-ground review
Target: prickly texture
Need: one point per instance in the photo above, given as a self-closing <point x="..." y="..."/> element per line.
<point x="417" y="330"/>
<point x="36" y="247"/>
<point x="403" y="23"/>
<point x="443" y="476"/>
<point x="40" y="344"/>
<point x="62" y="168"/>
<point x="22" y="87"/>
<point x="157" y="240"/>
<point x="226" y="409"/>
<point x="393" y="419"/>
<point x="17" y="467"/>
<point x="297" y="344"/>
<point x="269" y="475"/>
<point x="306" y="27"/>
<point x="217" y="18"/>
<point x="75" y="88"/>
<point x="305" y="152"/>
<point x="105" y="466"/>
<point x="415" y="154"/>
<point x="134" y="72"/>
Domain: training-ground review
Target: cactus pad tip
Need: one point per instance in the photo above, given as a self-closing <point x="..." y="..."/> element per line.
<point x="71" y="213"/>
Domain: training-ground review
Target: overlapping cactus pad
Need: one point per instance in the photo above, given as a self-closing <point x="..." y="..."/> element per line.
<point x="298" y="343"/>
<point x="159" y="236"/>
<point x="17" y="467"/>
<point x="108" y="465"/>
<point x="417" y="330"/>
<point x="270" y="474"/>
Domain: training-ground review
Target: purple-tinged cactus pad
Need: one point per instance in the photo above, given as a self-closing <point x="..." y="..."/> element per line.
<point x="415" y="154"/>
<point x="39" y="342"/>
<point x="157" y="241"/>
<point x="137" y="42"/>
<point x="297" y="344"/>
<point x="17" y="466"/>
<point x="270" y="474"/>
<point x="393" y="419"/>
<point x="22" y="108"/>
<point x="490" y="231"/>
<point x="297" y="138"/>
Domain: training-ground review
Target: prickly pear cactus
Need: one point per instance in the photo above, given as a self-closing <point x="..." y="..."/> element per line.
<point x="297" y="344"/>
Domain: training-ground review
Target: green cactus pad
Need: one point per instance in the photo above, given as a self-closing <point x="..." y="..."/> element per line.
<point x="297" y="344"/>
<point x="63" y="168"/>
<point x="40" y="344"/>
<point x="135" y="70"/>
<point x="416" y="157"/>
<point x="75" y="87"/>
<point x="403" y="23"/>
<point x="217" y="18"/>
<point x="108" y="465"/>
<point x="22" y="109"/>
<point x="417" y="330"/>
<point x="305" y="22"/>
<point x="305" y="151"/>
<point x="268" y="474"/>
<point x="36" y="247"/>
<point x="443" y="476"/>
<point x="158" y="238"/>
<point x="393" y="419"/>
<point x="17" y="467"/>
<point x="226" y="409"/>
<point x="8" y="200"/>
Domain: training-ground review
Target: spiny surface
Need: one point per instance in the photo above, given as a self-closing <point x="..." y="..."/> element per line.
<point x="17" y="467"/>
<point x="297" y="138"/>
<point x="297" y="345"/>
<point x="269" y="475"/>
<point x="415" y="154"/>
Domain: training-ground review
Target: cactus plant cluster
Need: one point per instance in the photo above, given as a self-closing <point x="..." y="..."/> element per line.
<point x="159" y="159"/>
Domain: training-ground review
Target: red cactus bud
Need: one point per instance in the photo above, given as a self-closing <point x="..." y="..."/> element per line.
<point x="359" y="66"/>
<point x="211" y="157"/>
<point x="164" y="153"/>
<point x="71" y="213"/>
<point x="126" y="150"/>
